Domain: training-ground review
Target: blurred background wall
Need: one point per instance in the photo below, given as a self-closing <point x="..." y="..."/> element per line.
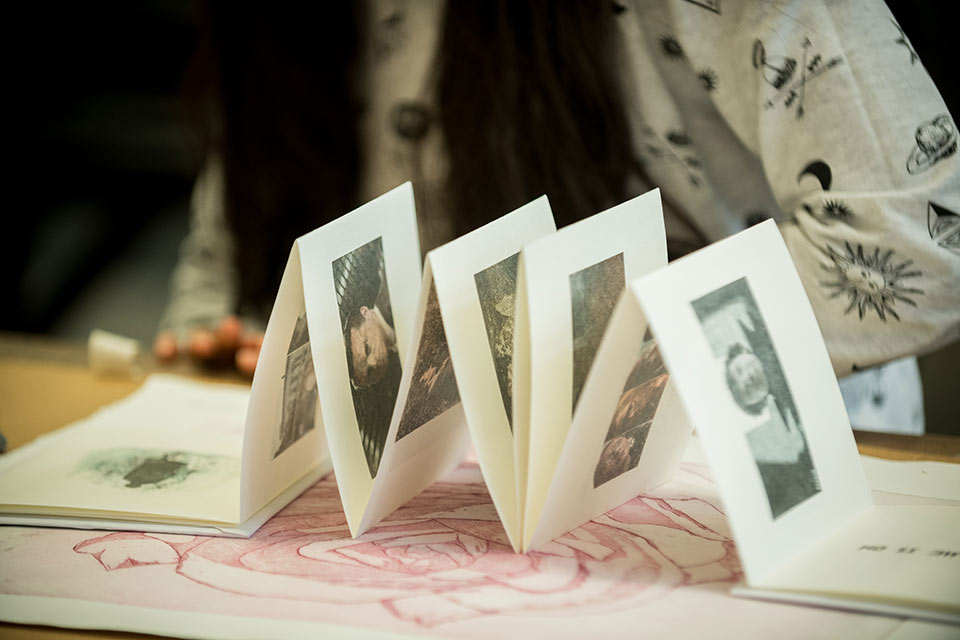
<point x="102" y="164"/>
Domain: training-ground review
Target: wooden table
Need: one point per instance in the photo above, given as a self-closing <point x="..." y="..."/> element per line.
<point x="45" y="384"/>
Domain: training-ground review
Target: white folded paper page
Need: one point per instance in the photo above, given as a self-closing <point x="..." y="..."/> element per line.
<point x="570" y="283"/>
<point x="924" y="478"/>
<point x="900" y="557"/>
<point x="476" y="282"/>
<point x="169" y="452"/>
<point x="361" y="278"/>
<point x="628" y="434"/>
<point x="741" y="343"/>
<point x="742" y="346"/>
<point x="428" y="432"/>
<point x="284" y="436"/>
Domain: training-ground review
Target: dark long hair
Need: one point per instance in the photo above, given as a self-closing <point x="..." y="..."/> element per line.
<point x="527" y="99"/>
<point x="530" y="103"/>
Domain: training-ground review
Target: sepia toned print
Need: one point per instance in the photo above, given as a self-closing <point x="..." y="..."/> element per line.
<point x="299" y="406"/>
<point x="497" y="288"/>
<point x="594" y="292"/>
<point x="634" y="415"/>
<point x="370" y="343"/>
<point x="433" y="389"/>
<point x="738" y="337"/>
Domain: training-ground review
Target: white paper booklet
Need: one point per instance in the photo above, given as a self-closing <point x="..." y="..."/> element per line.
<point x="394" y="430"/>
<point x="167" y="458"/>
<point x="743" y="348"/>
<point x="524" y="309"/>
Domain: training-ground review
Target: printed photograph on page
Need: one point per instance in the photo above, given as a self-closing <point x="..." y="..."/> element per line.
<point x="633" y="417"/>
<point x="299" y="403"/>
<point x="370" y="343"/>
<point x="738" y="337"/>
<point x="594" y="292"/>
<point x="497" y="289"/>
<point x="433" y="388"/>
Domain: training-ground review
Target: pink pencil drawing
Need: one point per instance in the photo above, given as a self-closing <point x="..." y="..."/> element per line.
<point x="439" y="566"/>
<point x="444" y="557"/>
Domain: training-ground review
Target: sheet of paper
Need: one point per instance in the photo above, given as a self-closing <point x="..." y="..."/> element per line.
<point x="928" y="479"/>
<point x="171" y="450"/>
<point x="743" y="347"/>
<point x="440" y="566"/>
<point x="571" y="282"/>
<point x="284" y="438"/>
<point x="900" y="557"/>
<point x="428" y="433"/>
<point x="169" y="526"/>
<point x="361" y="278"/>
<point x="628" y="433"/>
<point x="476" y="283"/>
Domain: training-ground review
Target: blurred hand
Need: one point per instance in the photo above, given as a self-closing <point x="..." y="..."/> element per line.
<point x="228" y="345"/>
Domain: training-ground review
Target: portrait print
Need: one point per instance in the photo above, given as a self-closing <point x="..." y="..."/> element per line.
<point x="299" y="403"/>
<point x="594" y="292"/>
<point x="634" y="415"/>
<point x="497" y="288"/>
<point x="738" y="337"/>
<point x="433" y="389"/>
<point x="370" y="343"/>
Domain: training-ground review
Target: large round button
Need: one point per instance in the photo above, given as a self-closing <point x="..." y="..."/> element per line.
<point x="410" y="120"/>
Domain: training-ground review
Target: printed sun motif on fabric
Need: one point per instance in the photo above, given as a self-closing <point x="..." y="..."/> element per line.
<point x="870" y="280"/>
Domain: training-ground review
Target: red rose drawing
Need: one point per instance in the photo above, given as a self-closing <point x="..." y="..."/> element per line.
<point x="444" y="557"/>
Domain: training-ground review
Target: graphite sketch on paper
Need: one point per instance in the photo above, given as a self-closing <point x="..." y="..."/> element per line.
<point x="155" y="469"/>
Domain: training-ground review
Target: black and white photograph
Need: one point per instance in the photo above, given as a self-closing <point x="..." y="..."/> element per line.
<point x="433" y="389"/>
<point x="299" y="389"/>
<point x="497" y="289"/>
<point x="370" y="343"/>
<point x="634" y="415"/>
<point x="738" y="337"/>
<point x="594" y="292"/>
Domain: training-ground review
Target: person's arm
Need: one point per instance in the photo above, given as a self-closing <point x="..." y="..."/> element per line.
<point x="860" y="154"/>
<point x="203" y="287"/>
<point x="883" y="278"/>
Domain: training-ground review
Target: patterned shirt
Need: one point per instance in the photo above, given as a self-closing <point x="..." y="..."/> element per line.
<point x="818" y="114"/>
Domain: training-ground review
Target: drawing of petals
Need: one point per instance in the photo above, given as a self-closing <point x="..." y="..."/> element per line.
<point x="125" y="550"/>
<point x="430" y="610"/>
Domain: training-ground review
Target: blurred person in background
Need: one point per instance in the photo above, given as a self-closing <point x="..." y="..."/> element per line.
<point x="816" y="114"/>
